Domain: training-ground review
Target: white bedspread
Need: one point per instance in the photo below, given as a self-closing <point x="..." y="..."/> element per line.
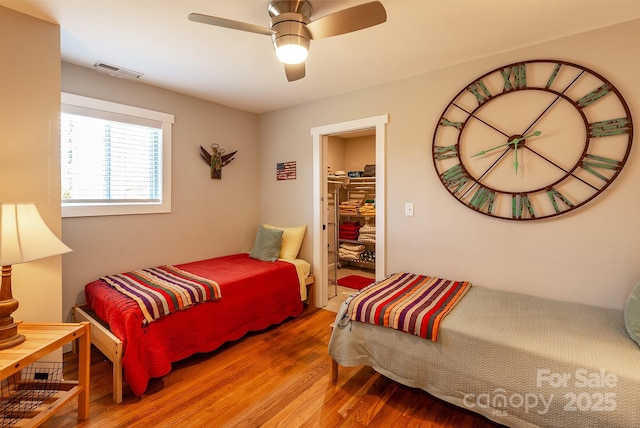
<point x="519" y="360"/>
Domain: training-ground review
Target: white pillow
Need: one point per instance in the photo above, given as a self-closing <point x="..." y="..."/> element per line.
<point x="292" y="238"/>
<point x="632" y="314"/>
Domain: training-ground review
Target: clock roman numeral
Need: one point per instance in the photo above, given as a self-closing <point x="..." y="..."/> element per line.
<point x="519" y="73"/>
<point x="606" y="128"/>
<point x="589" y="162"/>
<point x="442" y="152"/>
<point x="480" y="91"/>
<point x="483" y="197"/>
<point x="446" y="122"/>
<point x="556" y="197"/>
<point x="520" y="201"/>
<point x="594" y="95"/>
<point x="553" y="76"/>
<point x="455" y="178"/>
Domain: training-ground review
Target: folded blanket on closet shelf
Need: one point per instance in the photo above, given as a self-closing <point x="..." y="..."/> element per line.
<point x="367" y="234"/>
<point x="353" y="247"/>
<point x="350" y="251"/>
<point x="348" y="226"/>
<point x="367" y="239"/>
<point x="348" y="236"/>
<point x="348" y="211"/>
<point x="367" y="210"/>
<point x="349" y="230"/>
<point x="349" y="207"/>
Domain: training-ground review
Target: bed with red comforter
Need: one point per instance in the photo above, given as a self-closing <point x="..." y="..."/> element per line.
<point x="254" y="295"/>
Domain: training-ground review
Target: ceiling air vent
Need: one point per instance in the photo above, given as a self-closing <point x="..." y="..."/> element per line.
<point x="116" y="71"/>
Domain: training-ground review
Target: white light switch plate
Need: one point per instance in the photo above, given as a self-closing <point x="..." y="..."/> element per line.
<point x="408" y="209"/>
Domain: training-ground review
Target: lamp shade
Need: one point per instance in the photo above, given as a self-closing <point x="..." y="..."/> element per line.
<point x="24" y="236"/>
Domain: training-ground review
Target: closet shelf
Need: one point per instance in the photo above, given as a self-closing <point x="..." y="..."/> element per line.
<point x="351" y="241"/>
<point x="354" y="260"/>
<point x="356" y="215"/>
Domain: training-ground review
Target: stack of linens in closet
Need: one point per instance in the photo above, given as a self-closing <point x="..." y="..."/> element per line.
<point x="349" y="230"/>
<point x="367" y="234"/>
<point x="350" y="251"/>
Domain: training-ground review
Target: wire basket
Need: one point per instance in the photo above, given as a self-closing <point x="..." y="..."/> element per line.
<point x="28" y="390"/>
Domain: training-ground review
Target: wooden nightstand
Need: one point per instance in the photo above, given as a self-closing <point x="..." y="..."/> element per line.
<point x="41" y="340"/>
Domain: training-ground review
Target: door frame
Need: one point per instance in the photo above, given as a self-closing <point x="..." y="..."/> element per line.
<point x="320" y="136"/>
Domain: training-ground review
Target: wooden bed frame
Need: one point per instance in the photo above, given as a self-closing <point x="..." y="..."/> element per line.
<point x="107" y="343"/>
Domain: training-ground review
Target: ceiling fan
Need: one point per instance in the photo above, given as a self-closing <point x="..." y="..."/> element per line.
<point x="292" y="30"/>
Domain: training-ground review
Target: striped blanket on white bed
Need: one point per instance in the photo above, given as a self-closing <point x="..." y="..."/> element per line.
<point x="412" y="303"/>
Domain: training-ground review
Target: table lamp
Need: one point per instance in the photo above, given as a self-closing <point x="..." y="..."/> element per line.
<point x="24" y="237"/>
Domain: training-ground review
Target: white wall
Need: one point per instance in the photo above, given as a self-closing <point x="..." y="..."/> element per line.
<point x="590" y="255"/>
<point x="209" y="218"/>
<point x="30" y="149"/>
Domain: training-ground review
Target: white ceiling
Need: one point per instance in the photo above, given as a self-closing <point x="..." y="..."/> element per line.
<point x="240" y="70"/>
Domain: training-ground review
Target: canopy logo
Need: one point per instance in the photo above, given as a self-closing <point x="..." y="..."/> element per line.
<point x="581" y="390"/>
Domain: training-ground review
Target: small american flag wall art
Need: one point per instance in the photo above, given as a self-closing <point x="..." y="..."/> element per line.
<point x="286" y="170"/>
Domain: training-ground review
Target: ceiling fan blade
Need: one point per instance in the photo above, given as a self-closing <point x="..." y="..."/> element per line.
<point x="348" y="20"/>
<point x="294" y="71"/>
<point x="229" y="23"/>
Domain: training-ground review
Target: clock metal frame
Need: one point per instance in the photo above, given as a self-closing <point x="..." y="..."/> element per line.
<point x="524" y="173"/>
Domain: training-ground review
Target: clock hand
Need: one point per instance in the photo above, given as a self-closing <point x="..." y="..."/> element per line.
<point x="470" y="113"/>
<point x="514" y="141"/>
<point x="515" y="163"/>
<point x="493" y="148"/>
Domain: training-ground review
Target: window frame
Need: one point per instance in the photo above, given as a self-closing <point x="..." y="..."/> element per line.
<point x="83" y="209"/>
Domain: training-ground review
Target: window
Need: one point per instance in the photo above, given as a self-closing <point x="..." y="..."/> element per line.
<point x="115" y="159"/>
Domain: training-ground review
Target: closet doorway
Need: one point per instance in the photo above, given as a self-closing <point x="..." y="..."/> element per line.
<point x="321" y="234"/>
<point x="351" y="210"/>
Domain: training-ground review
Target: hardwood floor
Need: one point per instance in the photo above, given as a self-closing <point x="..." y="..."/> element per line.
<point x="275" y="378"/>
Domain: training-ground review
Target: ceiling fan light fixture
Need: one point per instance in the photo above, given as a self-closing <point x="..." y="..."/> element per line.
<point x="291" y="28"/>
<point x="291" y="49"/>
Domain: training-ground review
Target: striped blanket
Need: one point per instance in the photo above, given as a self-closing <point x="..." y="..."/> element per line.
<point x="163" y="290"/>
<point x="412" y="303"/>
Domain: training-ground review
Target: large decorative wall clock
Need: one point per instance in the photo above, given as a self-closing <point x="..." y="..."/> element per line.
<point x="532" y="140"/>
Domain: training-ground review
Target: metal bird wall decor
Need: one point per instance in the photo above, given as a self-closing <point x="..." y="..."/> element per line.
<point x="216" y="159"/>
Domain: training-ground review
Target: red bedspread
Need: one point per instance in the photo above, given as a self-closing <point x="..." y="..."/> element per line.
<point x="255" y="295"/>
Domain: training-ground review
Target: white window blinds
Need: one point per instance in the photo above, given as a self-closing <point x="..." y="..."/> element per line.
<point x="111" y="162"/>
